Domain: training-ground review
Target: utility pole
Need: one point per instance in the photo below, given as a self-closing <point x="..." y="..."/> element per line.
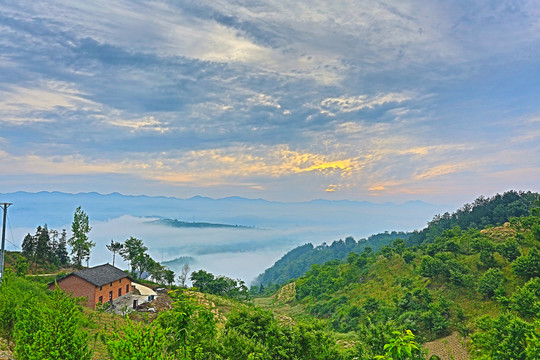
<point x="4" y="206"/>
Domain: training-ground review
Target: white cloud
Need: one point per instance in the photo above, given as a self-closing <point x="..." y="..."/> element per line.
<point x="146" y="123"/>
<point x="333" y="106"/>
<point x="265" y="100"/>
<point x="45" y="96"/>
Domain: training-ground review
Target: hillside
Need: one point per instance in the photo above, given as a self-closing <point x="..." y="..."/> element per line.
<point x="482" y="212"/>
<point x="479" y="286"/>
<point x="483" y="283"/>
<point x="299" y="260"/>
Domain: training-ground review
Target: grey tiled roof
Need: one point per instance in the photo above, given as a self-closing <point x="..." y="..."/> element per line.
<point x="101" y="274"/>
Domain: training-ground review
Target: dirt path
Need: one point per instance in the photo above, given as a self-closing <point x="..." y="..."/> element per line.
<point x="5" y="353"/>
<point x="452" y="347"/>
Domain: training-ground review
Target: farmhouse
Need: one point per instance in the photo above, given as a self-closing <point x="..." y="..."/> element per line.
<point x="97" y="284"/>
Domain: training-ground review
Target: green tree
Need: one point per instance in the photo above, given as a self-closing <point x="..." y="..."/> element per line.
<point x="42" y="250"/>
<point x="202" y="279"/>
<point x="168" y="276"/>
<point x="503" y="338"/>
<point x="190" y="327"/>
<point x="114" y="247"/>
<point x="51" y="332"/>
<point x="401" y="347"/>
<point x="61" y="250"/>
<point x="528" y="266"/>
<point x="430" y="267"/>
<point x="133" y="251"/>
<point x="408" y="256"/>
<point x="526" y="299"/>
<point x="29" y="247"/>
<point x="510" y="250"/>
<point x="79" y="242"/>
<point x="490" y="281"/>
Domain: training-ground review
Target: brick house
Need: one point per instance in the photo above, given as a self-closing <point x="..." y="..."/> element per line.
<point x="97" y="284"/>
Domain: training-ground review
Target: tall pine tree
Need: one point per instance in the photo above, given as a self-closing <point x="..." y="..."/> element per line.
<point x="79" y="242"/>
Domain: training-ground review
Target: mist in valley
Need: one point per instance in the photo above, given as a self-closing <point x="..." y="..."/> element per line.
<point x="266" y="232"/>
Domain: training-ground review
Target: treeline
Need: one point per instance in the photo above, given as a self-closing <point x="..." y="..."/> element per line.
<point x="219" y="285"/>
<point x="299" y="260"/>
<point x="483" y="212"/>
<point x="47" y="249"/>
<point x="483" y="283"/>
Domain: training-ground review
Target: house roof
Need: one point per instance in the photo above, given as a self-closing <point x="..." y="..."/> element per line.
<point x="100" y="275"/>
<point x="146" y="291"/>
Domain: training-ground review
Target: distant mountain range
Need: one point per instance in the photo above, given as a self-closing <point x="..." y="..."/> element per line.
<point x="324" y="218"/>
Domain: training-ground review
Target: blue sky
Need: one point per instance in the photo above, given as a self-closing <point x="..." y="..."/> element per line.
<point x="362" y="100"/>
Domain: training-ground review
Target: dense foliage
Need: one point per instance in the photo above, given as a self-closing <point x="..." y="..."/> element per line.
<point x="219" y="285"/>
<point x="41" y="324"/>
<point x="483" y="212"/>
<point x="135" y="253"/>
<point x="299" y="260"/>
<point x="484" y="282"/>
<point x="46" y="248"/>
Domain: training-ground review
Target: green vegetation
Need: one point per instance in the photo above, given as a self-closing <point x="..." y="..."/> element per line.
<point x="481" y="282"/>
<point x="220" y="285"/>
<point x="79" y="242"/>
<point x="51" y="332"/>
<point x="482" y="213"/>
<point x="134" y="252"/>
<point x="299" y="260"/>
<point x="46" y="249"/>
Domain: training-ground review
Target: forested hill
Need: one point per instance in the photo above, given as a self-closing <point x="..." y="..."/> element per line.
<point x="480" y="282"/>
<point x="299" y="260"/>
<point x="481" y="213"/>
<point x="197" y="225"/>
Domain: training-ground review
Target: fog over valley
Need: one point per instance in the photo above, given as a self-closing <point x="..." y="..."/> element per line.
<point x="266" y="230"/>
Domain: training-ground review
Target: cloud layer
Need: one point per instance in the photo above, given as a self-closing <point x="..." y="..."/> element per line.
<point x="348" y="99"/>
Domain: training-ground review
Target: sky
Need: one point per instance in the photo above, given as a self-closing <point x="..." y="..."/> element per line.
<point x="363" y="100"/>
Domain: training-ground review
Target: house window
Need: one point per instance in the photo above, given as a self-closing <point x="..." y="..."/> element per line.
<point x="100" y="300"/>
<point x="100" y="287"/>
<point x="127" y="288"/>
<point x="111" y="284"/>
<point x="119" y="292"/>
<point x="120" y="280"/>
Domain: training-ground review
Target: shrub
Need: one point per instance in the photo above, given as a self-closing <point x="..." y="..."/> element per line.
<point x="51" y="332"/>
<point x="490" y="281"/>
<point x="528" y="266"/>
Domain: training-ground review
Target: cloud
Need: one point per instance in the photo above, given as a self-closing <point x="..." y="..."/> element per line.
<point x="439" y="170"/>
<point x="353" y="98"/>
<point x="146" y="123"/>
<point x="18" y="103"/>
<point x="332" y="106"/>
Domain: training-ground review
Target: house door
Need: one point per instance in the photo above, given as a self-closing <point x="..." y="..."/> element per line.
<point x="110" y="296"/>
<point x="134" y="304"/>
